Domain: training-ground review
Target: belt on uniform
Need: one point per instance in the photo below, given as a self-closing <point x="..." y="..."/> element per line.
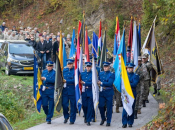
<point x="70" y="84"/>
<point x="51" y="87"/>
<point x="88" y="87"/>
<point x="107" y="88"/>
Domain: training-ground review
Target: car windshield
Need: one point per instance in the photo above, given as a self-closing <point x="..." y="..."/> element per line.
<point x="20" y="49"/>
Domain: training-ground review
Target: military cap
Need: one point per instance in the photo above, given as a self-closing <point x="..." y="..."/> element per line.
<point x="106" y="63"/>
<point x="139" y="58"/>
<point x="130" y="65"/>
<point x="70" y="61"/>
<point x="88" y="64"/>
<point x="49" y="63"/>
<point x="145" y="55"/>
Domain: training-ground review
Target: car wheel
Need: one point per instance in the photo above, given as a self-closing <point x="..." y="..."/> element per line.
<point x="7" y="70"/>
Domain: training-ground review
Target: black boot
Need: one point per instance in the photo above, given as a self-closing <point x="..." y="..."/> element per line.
<point x="102" y="122"/>
<point x="65" y="121"/>
<point x="88" y="124"/>
<point x="135" y="114"/>
<point x="147" y="101"/>
<point x="155" y="91"/>
<point x="158" y="93"/>
<point x="85" y="120"/>
<point x="124" y="126"/>
<point x="144" y="104"/>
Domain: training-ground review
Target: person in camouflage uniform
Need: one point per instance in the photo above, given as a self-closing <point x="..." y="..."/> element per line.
<point x="117" y="94"/>
<point x="139" y="87"/>
<point x="157" y="86"/>
<point x="146" y="67"/>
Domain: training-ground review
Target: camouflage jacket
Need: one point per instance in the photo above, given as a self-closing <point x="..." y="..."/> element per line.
<point x="146" y="68"/>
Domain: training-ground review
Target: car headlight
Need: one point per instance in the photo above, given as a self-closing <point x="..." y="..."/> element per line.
<point x="13" y="60"/>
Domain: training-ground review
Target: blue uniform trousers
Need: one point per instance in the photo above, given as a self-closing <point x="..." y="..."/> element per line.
<point x="87" y="102"/>
<point x="106" y="97"/>
<point x="65" y="104"/>
<point x="48" y="103"/>
<point x="126" y="119"/>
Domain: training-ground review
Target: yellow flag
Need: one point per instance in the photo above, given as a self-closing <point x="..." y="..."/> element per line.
<point x="125" y="78"/>
<point x="61" y="51"/>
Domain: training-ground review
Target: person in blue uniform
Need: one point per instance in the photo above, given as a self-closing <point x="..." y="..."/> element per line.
<point x="106" y="79"/>
<point x="134" y="80"/>
<point x="68" y="93"/>
<point x="48" y="78"/>
<point x="87" y="99"/>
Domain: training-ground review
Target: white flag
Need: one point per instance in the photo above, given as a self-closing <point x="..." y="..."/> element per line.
<point x="95" y="88"/>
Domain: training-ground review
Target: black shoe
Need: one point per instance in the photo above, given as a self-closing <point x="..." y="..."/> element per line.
<point x="48" y="122"/>
<point x="108" y="124"/>
<point x="65" y="121"/>
<point x="135" y="114"/>
<point x="102" y="122"/>
<point x="85" y="120"/>
<point x="124" y="126"/>
<point x="147" y="101"/>
<point x="144" y="104"/>
<point x="88" y="124"/>
<point x="158" y="93"/>
<point x="71" y="123"/>
<point x="130" y="125"/>
<point x="155" y="91"/>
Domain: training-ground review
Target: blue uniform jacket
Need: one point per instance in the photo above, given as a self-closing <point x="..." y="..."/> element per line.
<point x="134" y="80"/>
<point x="87" y="78"/>
<point x="68" y="75"/>
<point x="107" y="78"/>
<point x="50" y="78"/>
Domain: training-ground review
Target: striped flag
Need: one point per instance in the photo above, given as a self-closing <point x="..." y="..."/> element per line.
<point x="126" y="93"/>
<point x="78" y="39"/>
<point x="61" y="52"/>
<point x="130" y="41"/>
<point x="99" y="42"/>
<point x="134" y="50"/>
<point x="72" y="49"/>
<point x="87" y="47"/>
<point x="77" y="89"/>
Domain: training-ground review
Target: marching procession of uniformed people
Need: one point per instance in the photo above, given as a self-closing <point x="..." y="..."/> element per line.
<point x="47" y="46"/>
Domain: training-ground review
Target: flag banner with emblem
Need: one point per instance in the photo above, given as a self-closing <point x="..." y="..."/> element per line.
<point x="37" y="86"/>
<point x="130" y="41"/>
<point x="117" y="62"/>
<point x="64" y="55"/>
<point x="95" y="45"/>
<point x="72" y="48"/>
<point x="117" y="36"/>
<point x="61" y="51"/>
<point x="77" y="89"/>
<point x="86" y="47"/>
<point x="103" y="52"/>
<point x="99" y="42"/>
<point x="134" y="49"/>
<point x="95" y="88"/>
<point x="144" y="49"/>
<point x="58" y="85"/>
<point x="154" y="55"/>
<point x="126" y="92"/>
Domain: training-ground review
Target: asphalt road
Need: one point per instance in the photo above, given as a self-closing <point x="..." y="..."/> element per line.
<point x="148" y="113"/>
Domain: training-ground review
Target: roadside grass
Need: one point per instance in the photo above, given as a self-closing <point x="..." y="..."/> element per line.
<point x="16" y="101"/>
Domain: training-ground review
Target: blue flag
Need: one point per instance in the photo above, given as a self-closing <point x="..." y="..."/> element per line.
<point x="115" y="46"/>
<point x="139" y="40"/>
<point x="89" y="40"/>
<point x="72" y="49"/>
<point x="117" y="62"/>
<point x="95" y="45"/>
<point x="64" y="55"/>
<point x="37" y="86"/>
